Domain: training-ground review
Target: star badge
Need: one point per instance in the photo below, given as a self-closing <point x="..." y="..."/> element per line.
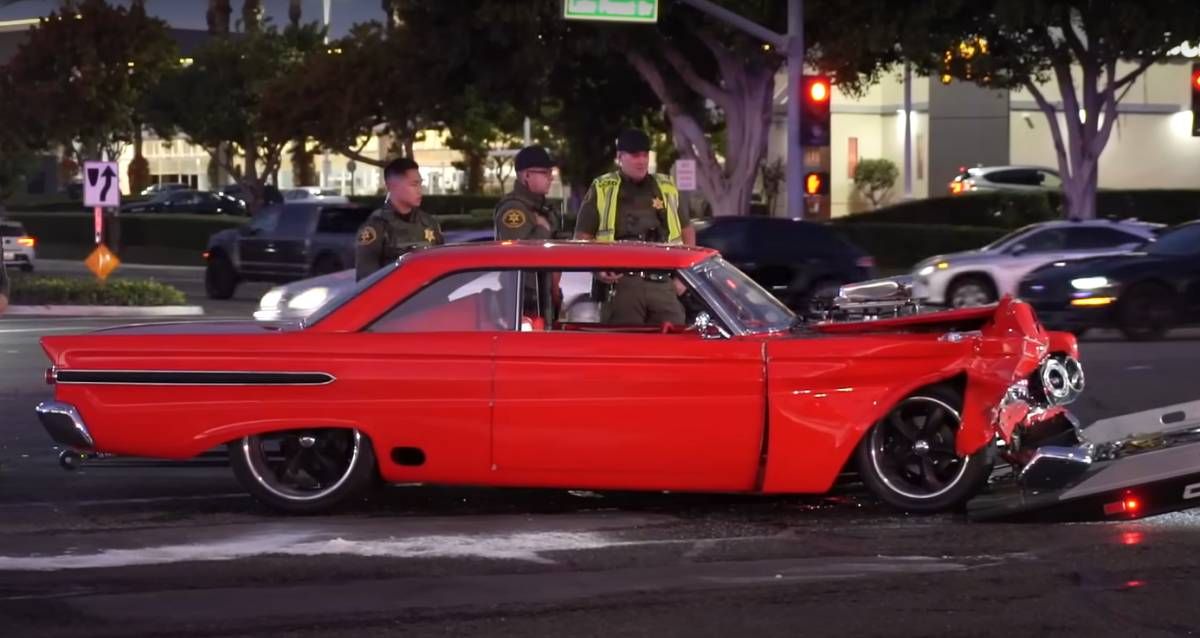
<point x="514" y="218"/>
<point x="430" y="236"/>
<point x="367" y="235"/>
<point x="657" y="203"/>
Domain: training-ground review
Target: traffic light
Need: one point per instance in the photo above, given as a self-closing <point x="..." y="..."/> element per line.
<point x="1196" y="99"/>
<point x="816" y="183"/>
<point x="815" y="92"/>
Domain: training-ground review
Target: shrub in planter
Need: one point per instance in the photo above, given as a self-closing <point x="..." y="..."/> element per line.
<point x="36" y="290"/>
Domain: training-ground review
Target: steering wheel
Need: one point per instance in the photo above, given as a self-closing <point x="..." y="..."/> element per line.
<point x="492" y="315"/>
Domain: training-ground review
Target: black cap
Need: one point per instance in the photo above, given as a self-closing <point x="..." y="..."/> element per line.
<point x="633" y="141"/>
<point x="533" y="157"/>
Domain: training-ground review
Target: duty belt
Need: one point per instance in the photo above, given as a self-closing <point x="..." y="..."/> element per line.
<point x="651" y="275"/>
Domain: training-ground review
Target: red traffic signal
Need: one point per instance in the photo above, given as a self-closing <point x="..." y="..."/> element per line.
<point x="816" y="184"/>
<point x="815" y="94"/>
<point x="818" y="90"/>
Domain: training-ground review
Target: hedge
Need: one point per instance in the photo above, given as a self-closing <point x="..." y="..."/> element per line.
<point x="899" y="245"/>
<point x="1012" y="210"/>
<point x="38" y="290"/>
<point x="187" y="232"/>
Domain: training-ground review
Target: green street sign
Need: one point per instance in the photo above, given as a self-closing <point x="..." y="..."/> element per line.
<point x="612" y="10"/>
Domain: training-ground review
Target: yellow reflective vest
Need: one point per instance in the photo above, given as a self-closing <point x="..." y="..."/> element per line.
<point x="606" y="187"/>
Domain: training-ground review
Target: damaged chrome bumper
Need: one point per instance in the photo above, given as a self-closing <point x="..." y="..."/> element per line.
<point x="1130" y="466"/>
<point x="64" y="424"/>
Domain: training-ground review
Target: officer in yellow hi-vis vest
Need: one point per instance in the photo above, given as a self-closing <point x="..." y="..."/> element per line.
<point x="633" y="205"/>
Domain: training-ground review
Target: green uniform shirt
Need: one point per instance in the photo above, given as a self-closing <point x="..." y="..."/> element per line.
<point x="386" y="235"/>
<point x="517" y="213"/>
<point x="641" y="213"/>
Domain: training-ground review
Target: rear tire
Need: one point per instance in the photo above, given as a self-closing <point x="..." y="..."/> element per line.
<point x="908" y="458"/>
<point x="220" y="278"/>
<point x="1146" y="312"/>
<point x="304" y="471"/>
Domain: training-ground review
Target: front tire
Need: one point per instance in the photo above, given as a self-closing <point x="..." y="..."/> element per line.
<point x="1147" y="312"/>
<point x="220" y="278"/>
<point x="304" y="471"/>
<point x="908" y="458"/>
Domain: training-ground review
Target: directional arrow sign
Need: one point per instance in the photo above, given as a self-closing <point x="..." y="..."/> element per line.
<point x="101" y="184"/>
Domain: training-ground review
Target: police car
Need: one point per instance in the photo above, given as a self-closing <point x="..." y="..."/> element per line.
<point x="18" y="246"/>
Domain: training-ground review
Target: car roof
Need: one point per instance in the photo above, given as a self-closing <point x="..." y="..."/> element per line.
<point x="1125" y="224"/>
<point x="560" y="254"/>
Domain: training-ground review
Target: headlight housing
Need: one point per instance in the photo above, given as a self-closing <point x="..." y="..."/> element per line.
<point x="310" y="299"/>
<point x="1090" y="283"/>
<point x="271" y="300"/>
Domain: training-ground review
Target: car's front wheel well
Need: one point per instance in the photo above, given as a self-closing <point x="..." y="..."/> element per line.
<point x="956" y="384"/>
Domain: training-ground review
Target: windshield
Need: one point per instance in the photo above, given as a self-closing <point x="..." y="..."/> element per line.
<point x="1009" y="237"/>
<point x="752" y="306"/>
<point x="1184" y="240"/>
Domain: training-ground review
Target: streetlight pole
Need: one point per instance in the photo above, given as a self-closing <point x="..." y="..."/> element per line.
<point x="795" y="71"/>
<point x="326" y="165"/>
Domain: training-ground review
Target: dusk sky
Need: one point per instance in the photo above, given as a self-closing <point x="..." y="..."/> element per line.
<point x="189" y="14"/>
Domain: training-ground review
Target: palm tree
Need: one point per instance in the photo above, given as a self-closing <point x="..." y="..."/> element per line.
<point x="294" y="12"/>
<point x="252" y="13"/>
<point x="218" y="15"/>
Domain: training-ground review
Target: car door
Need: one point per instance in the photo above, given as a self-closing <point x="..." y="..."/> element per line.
<point x="255" y="238"/>
<point x="619" y="410"/>
<point x="425" y="370"/>
<point x="287" y="252"/>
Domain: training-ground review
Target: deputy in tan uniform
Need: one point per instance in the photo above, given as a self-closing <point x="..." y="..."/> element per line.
<point x="400" y="225"/>
<point x="632" y="205"/>
<point x="524" y="214"/>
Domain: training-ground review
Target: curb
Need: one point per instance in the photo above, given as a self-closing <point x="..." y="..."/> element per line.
<point x="70" y="264"/>
<point x="104" y="311"/>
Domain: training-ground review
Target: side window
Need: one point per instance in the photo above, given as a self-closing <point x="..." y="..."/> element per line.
<point x="1091" y="238"/>
<point x="475" y="301"/>
<point x="1050" y="180"/>
<point x="730" y="238"/>
<point x="1017" y="176"/>
<point x="1045" y="241"/>
<point x="341" y="220"/>
<point x="582" y="292"/>
<point x="294" y="221"/>
<point x="266" y="219"/>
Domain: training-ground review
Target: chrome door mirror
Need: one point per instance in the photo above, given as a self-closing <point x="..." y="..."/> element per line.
<point x="707" y="327"/>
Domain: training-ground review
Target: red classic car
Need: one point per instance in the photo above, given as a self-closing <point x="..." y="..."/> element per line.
<point x="455" y="366"/>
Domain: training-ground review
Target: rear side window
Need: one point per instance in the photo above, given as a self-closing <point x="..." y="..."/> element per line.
<point x="12" y="230"/>
<point x="730" y="238"/>
<point x="342" y="220"/>
<point x="1085" y="238"/>
<point x="1021" y="177"/>
<point x="785" y="241"/>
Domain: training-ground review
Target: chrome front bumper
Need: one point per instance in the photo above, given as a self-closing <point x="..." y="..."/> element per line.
<point x="63" y="423"/>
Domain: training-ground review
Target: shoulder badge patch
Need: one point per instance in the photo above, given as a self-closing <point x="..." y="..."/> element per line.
<point x="514" y="218"/>
<point x="430" y="236"/>
<point x="367" y="235"/>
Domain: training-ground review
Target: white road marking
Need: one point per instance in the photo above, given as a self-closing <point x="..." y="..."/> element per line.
<point x="1139" y="367"/>
<point x="519" y="546"/>
<point x="124" y="501"/>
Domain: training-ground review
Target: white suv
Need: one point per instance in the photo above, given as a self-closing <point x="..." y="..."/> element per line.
<point x="1017" y="179"/>
<point x="18" y="246"/>
<point x="979" y="277"/>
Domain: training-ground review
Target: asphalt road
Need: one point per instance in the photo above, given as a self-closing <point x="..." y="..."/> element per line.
<point x="119" y="549"/>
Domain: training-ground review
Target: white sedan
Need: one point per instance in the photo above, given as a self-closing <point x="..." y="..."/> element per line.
<point x="980" y="277"/>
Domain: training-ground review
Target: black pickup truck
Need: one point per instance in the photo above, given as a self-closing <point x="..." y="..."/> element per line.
<point x="282" y="243"/>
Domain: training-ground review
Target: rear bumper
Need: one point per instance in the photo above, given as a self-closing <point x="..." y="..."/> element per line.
<point x="64" y="424"/>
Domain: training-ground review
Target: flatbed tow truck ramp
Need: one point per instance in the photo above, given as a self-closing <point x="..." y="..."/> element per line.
<point x="1126" y="467"/>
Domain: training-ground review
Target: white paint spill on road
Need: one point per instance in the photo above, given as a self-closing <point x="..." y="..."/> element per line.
<point x="520" y="546"/>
